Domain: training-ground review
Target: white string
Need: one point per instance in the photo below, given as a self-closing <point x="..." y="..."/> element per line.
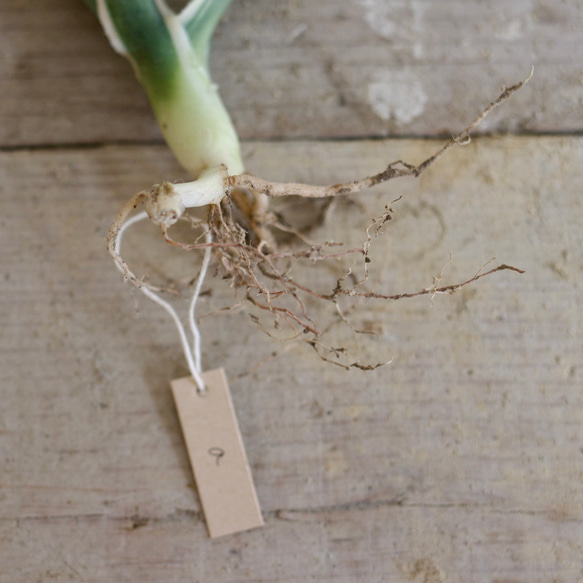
<point x="196" y="350"/>
<point x="193" y="356"/>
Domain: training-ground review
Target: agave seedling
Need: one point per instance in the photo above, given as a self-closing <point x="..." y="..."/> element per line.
<point x="169" y="52"/>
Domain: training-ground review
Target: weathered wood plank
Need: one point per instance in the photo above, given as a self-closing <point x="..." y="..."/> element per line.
<point x="304" y="69"/>
<point x="392" y="544"/>
<point x="463" y="457"/>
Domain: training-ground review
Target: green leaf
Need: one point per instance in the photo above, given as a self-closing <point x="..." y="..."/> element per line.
<point x="92" y="4"/>
<point x="170" y="62"/>
<point x="200" y="19"/>
<point x="145" y="36"/>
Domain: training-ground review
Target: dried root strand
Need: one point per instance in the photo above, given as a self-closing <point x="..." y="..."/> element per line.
<point x="247" y="257"/>
<point x="433" y="290"/>
<point x="319" y="348"/>
<point x="396" y="169"/>
<point x="113" y="236"/>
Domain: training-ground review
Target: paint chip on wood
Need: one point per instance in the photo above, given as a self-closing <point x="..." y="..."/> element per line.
<point x="397" y="95"/>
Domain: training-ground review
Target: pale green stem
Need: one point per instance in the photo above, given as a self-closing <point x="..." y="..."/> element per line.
<point x="169" y="53"/>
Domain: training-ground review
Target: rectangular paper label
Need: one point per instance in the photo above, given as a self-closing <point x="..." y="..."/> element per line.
<point x="217" y="455"/>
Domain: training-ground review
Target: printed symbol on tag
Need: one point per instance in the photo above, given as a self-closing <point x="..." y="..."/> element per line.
<point x="217" y="453"/>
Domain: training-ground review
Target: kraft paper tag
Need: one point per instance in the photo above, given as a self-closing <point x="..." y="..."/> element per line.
<point x="217" y="454"/>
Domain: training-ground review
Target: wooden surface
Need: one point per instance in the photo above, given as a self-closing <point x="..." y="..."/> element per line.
<point x="462" y="461"/>
<point x="304" y="68"/>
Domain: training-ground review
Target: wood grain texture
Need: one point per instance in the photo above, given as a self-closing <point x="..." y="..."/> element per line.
<point x="297" y="68"/>
<point x="459" y="462"/>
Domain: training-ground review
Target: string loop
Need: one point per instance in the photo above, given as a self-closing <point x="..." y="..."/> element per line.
<point x="192" y="352"/>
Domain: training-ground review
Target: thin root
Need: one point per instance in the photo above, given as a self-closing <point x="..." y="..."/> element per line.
<point x="396" y="169"/>
<point x="248" y="259"/>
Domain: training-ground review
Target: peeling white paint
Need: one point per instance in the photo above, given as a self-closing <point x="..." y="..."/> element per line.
<point x="513" y="30"/>
<point x="397" y="95"/>
<point x="398" y="20"/>
<point x="296" y="32"/>
<point x="383" y="17"/>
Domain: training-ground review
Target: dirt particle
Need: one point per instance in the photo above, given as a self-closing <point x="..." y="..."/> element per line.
<point x="423" y="571"/>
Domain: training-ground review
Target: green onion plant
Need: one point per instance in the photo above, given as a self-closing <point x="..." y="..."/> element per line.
<point x="169" y="52"/>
